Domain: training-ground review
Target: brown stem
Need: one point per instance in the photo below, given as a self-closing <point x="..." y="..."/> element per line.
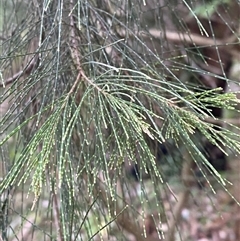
<point x="75" y="53"/>
<point x="122" y="218"/>
<point x="57" y="217"/>
<point x="26" y="71"/>
<point x="3" y="38"/>
<point x="178" y="37"/>
<point x="183" y="198"/>
<point x="228" y="121"/>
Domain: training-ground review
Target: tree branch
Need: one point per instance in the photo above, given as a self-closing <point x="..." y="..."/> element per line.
<point x="227" y="121"/>
<point x="178" y="37"/>
<point x="123" y="219"/>
<point x="183" y="197"/>
<point x="25" y="71"/>
<point x="74" y="51"/>
<point x="3" y="38"/>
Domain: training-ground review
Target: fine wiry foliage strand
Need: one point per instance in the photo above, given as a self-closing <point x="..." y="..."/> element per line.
<point x="90" y="89"/>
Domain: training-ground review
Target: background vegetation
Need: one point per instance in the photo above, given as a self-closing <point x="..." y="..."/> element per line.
<point x="106" y="107"/>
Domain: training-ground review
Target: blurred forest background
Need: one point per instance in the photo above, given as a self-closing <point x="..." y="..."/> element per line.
<point x="119" y="120"/>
